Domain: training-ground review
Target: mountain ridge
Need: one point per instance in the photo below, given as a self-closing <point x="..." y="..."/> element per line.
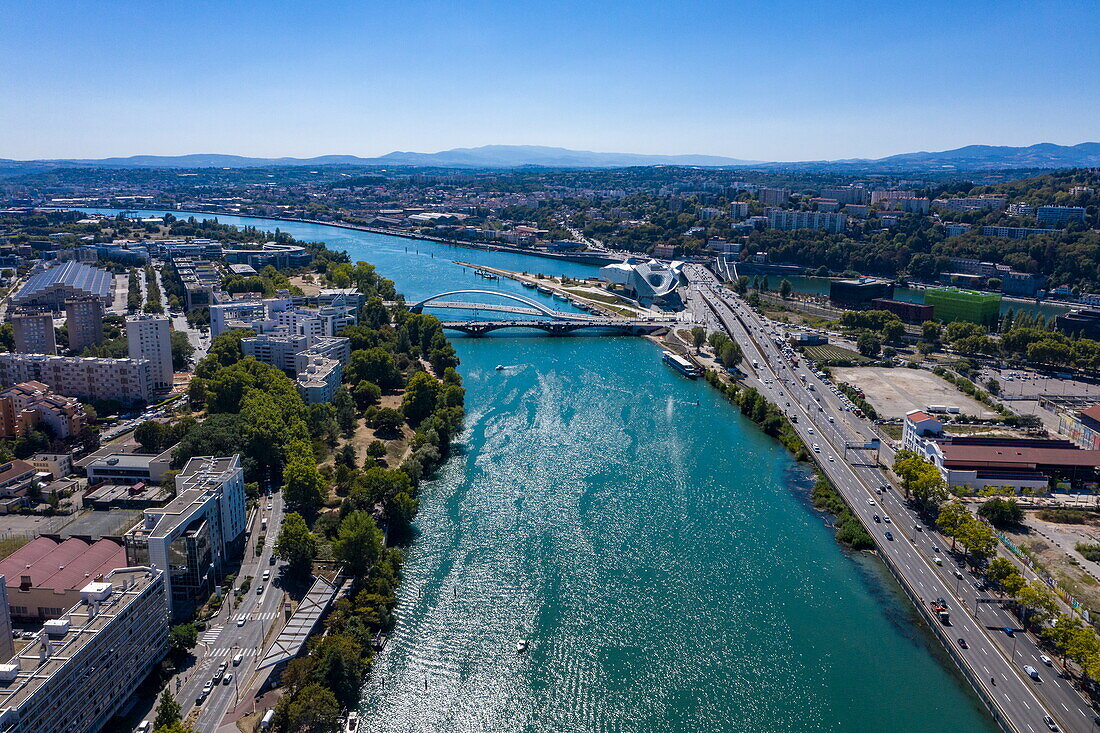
<point x="966" y="158"/>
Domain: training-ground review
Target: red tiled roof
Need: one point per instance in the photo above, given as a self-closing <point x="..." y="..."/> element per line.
<point x="919" y="416"/>
<point x="1092" y="412"/>
<point x="1016" y="456"/>
<point x="66" y="565"/>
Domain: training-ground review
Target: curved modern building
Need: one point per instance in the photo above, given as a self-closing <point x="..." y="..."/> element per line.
<point x="646" y="281"/>
<point x="73" y="279"/>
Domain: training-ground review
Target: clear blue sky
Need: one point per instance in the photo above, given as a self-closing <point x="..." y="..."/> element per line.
<point x="762" y="80"/>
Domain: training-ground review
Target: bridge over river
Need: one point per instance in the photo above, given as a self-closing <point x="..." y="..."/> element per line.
<point x="554" y="322"/>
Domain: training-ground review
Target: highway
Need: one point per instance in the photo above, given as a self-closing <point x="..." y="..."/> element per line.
<point x="991" y="659"/>
<point x="223" y="638"/>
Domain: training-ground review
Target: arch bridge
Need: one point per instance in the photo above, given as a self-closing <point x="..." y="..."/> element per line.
<point x="533" y="307"/>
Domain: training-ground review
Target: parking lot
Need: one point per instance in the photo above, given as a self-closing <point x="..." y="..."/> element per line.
<point x="896" y="391"/>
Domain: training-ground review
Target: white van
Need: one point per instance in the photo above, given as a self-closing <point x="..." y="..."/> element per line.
<point x="144" y="727"/>
<point x="238" y="659"/>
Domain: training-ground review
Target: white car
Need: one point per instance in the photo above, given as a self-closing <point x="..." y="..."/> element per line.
<point x="1046" y="660"/>
<point x="810" y="431"/>
<point x="240" y="620"/>
<point x="870" y="502"/>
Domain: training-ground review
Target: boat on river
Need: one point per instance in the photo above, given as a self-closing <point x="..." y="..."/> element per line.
<point x="680" y="364"/>
<point x="351" y="725"/>
<point x="521" y="647"/>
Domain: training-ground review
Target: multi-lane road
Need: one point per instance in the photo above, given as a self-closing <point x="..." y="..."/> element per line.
<point x="975" y="636"/>
<point x="241" y="630"/>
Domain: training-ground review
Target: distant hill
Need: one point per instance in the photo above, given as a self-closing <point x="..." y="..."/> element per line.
<point x="969" y="158"/>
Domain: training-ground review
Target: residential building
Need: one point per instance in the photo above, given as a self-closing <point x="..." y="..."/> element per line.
<point x="954" y="229"/>
<point x="774" y="196"/>
<point x="291" y="352"/>
<point x="33" y="331"/>
<point x="664" y="251"/>
<point x="84" y="321"/>
<point x="1021" y="284"/>
<point x="859" y="293"/>
<point x="54" y="286"/>
<point x="148" y="337"/>
<point x="318" y="381"/>
<point x="857" y="210"/>
<point x="45" y="575"/>
<point x="910" y="205"/>
<point x="124" y="380"/>
<point x="195" y="534"/>
<point x="1021" y="209"/>
<point x="1016" y="463"/>
<point x="891" y="195"/>
<point x="57" y="465"/>
<point x="903" y="309"/>
<point x="918" y="424"/>
<point x="739" y="210"/>
<point x="985" y="202"/>
<point x="829" y="205"/>
<point x="847" y="194"/>
<point x="953" y="304"/>
<point x="1053" y="216"/>
<point x="82" y="668"/>
<point x="16" y="480"/>
<point x="790" y="220"/>
<point x="1016" y="232"/>
<point x="23" y="406"/>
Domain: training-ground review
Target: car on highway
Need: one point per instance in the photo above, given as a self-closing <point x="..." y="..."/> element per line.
<point x="870" y="501"/>
<point x="259" y="590"/>
<point x="876" y="518"/>
<point x="269" y="505"/>
<point x="918" y="528"/>
<point x="1031" y="672"/>
<point x="1046" y="660"/>
<point x="935" y="548"/>
<point x="886" y="519"/>
<point x="830" y="459"/>
<point x="1050" y="723"/>
<point x="240" y="621"/>
<point x="271" y="560"/>
<point x="889" y="536"/>
<point x="963" y="644"/>
<point x="228" y="679"/>
<point x="817" y="448"/>
<point x="937" y="560"/>
<point x="1009" y="631"/>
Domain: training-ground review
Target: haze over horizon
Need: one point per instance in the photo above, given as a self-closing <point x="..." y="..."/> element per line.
<point x="788" y="82"/>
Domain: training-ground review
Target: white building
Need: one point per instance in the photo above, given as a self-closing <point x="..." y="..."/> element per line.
<point x="739" y="210"/>
<point x="646" y="281"/>
<point x="790" y="220"/>
<point x="149" y="337"/>
<point x="81" y="668"/>
<point x="124" y="380"/>
<point x="193" y="536"/>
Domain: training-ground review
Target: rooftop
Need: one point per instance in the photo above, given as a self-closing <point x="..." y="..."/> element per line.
<point x="62" y="565"/>
<point x="84" y="622"/>
<point x="1015" y="453"/>
<point x="76" y="275"/>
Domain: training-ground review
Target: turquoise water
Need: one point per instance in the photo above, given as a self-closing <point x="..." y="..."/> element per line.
<point x="656" y="549"/>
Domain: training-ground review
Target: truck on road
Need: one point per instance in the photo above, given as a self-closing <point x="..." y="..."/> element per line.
<point x="939" y="607"/>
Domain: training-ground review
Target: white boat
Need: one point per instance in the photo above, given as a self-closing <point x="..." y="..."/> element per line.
<point x="521" y="647"/>
<point x="500" y="367"/>
<point x="351" y="725"/>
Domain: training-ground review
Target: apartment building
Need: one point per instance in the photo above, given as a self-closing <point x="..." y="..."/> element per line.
<point x="23" y="406"/>
<point x="846" y="194"/>
<point x="1052" y="216"/>
<point x="124" y="380"/>
<point x="985" y="202"/>
<point x="148" y="337"/>
<point x="45" y="576"/>
<point x="193" y="536"/>
<point x="83" y="667"/>
<point x="318" y="381"/>
<point x="1016" y="232"/>
<point x="34" y="332"/>
<point x="84" y="321"/>
<point x="774" y="196"/>
<point x="790" y="220"/>
<point x="739" y="210"/>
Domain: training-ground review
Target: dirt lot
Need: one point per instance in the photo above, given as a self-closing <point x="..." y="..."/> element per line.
<point x="1053" y="545"/>
<point x="895" y="391"/>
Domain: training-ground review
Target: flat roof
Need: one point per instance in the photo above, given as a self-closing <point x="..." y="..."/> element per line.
<point x="1016" y="452"/>
<point x="126" y="585"/>
<point x="288" y="644"/>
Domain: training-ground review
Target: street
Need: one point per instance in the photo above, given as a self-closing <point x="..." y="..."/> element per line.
<point x="991" y="659"/>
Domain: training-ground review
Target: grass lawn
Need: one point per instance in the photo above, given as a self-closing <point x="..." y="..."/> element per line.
<point x="829" y="352"/>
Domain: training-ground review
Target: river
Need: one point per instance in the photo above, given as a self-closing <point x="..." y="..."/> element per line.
<point x="658" y="551"/>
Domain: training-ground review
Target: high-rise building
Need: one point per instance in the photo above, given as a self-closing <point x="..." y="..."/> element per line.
<point x="953" y="304"/>
<point x="82" y="667"/>
<point x="148" y="337"/>
<point x="846" y="194"/>
<point x="34" y="332"/>
<point x="7" y="649"/>
<point x="84" y="320"/>
<point x="739" y="210"/>
<point x="775" y="196"/>
<point x="56" y="285"/>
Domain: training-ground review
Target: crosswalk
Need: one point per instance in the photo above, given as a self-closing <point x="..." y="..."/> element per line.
<point x="210" y="635"/>
<point x="231" y="651"/>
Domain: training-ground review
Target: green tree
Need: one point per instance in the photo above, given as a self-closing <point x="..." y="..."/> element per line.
<point x="376" y="449"/>
<point x="421" y="393"/>
<point x="183" y="637"/>
<point x="182" y="350"/>
<point x="730" y="354"/>
<point x="698" y="337"/>
<point x="340" y="667"/>
<point x="930" y="331"/>
<point x="1003" y="573"/>
<point x="785" y="289"/>
<point x="303" y="486"/>
<point x="168" y="711"/>
<point x="347" y="417"/>
<point x="978" y="539"/>
<point x="388" y="421"/>
<point x="373" y="365"/>
<point x="297" y="545"/>
<point x="366" y="394"/>
<point x="358" y="543"/>
<point x="313" y="709"/>
<point x="953" y="517"/>
<point x="151" y="436"/>
<point x="868" y="344"/>
<point x="1001" y="512"/>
